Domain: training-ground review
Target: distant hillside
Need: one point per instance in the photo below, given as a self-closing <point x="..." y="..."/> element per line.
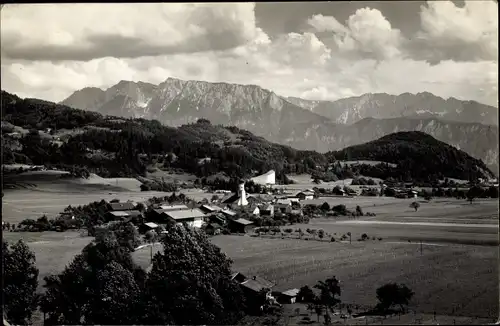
<point x="112" y="146"/>
<point x="417" y="156"/>
<point x="302" y="124"/>
<point x="383" y="106"/>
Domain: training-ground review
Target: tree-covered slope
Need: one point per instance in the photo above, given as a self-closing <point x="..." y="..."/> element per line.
<point x="417" y="156"/>
<point x="113" y="146"/>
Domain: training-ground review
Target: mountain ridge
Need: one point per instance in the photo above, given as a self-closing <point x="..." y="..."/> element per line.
<point x="301" y="125"/>
<point x="115" y="146"/>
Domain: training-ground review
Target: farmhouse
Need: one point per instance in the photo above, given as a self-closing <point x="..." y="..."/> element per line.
<point x="267" y="210"/>
<point x="122" y="215"/>
<point x="289" y="296"/>
<point x="121" y="206"/>
<point x="305" y="195"/>
<point x="252" y="288"/>
<point x="240" y="225"/>
<point x="192" y="217"/>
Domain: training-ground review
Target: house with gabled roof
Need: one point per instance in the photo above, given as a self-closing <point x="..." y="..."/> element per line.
<point x="121" y="206"/>
<point x="267" y="210"/>
<point x="192" y="217"/>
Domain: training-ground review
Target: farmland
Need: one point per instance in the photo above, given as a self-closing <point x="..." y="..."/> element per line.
<point x="45" y="192"/>
<point x="469" y="274"/>
<point x="459" y="257"/>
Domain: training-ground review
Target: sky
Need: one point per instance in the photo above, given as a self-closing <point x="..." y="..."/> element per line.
<point x="318" y="51"/>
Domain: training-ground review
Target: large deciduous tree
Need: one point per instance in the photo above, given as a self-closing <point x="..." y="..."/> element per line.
<point x="190" y="282"/>
<point x="102" y="285"/>
<point x="392" y="294"/>
<point x="20" y="280"/>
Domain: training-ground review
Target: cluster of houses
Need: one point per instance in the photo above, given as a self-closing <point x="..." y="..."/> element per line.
<point x="223" y="213"/>
<point x="216" y="216"/>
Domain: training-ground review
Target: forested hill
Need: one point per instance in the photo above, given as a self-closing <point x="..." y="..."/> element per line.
<point x="418" y="156"/>
<point x="114" y="146"/>
<point x="45" y="133"/>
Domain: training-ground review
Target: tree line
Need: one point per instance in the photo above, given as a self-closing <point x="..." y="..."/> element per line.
<point x="190" y="284"/>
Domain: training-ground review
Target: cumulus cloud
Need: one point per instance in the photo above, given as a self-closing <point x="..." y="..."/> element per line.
<point x="460" y="34"/>
<point x="90" y="31"/>
<point x="328" y="62"/>
<point x="367" y="33"/>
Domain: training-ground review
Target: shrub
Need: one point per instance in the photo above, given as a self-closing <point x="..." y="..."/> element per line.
<point x="379" y="239"/>
<point x="364" y="236"/>
<point x="341" y="209"/>
<point x="332" y="239"/>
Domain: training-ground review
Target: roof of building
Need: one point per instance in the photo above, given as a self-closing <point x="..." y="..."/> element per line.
<point x="243" y="221"/>
<point x="230" y="199"/>
<point x="173" y="207"/>
<point x="228" y="212"/>
<point x="185" y="214"/>
<point x="284" y="201"/>
<point x="257" y="284"/>
<point x="267" y="207"/>
<point x="121" y="206"/>
<point x="291" y="292"/>
<point x="253" y="207"/>
<point x="120" y="213"/>
<point x="151" y="225"/>
<point x="211" y="208"/>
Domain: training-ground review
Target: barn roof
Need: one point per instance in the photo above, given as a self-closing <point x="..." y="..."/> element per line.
<point x="211" y="208"/>
<point x="121" y="206"/>
<point x="291" y="292"/>
<point x="243" y="221"/>
<point x="185" y="214"/>
<point x="257" y="284"/>
<point x="166" y="208"/>
<point x="151" y="225"/>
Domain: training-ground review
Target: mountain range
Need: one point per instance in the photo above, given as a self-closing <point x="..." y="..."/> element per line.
<point x="303" y="124"/>
<point x="84" y="142"/>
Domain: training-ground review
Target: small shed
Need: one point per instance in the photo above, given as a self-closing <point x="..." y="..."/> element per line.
<point x="145" y="227"/>
<point x="240" y="225"/>
<point x="289" y="296"/>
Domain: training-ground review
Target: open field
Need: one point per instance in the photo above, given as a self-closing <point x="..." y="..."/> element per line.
<point x="304" y="181"/>
<point x="442" y="220"/>
<point x="45" y="192"/>
<point x="451" y="280"/>
<point x="53" y="250"/>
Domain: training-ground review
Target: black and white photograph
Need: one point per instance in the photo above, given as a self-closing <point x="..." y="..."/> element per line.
<point x="250" y="163"/>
